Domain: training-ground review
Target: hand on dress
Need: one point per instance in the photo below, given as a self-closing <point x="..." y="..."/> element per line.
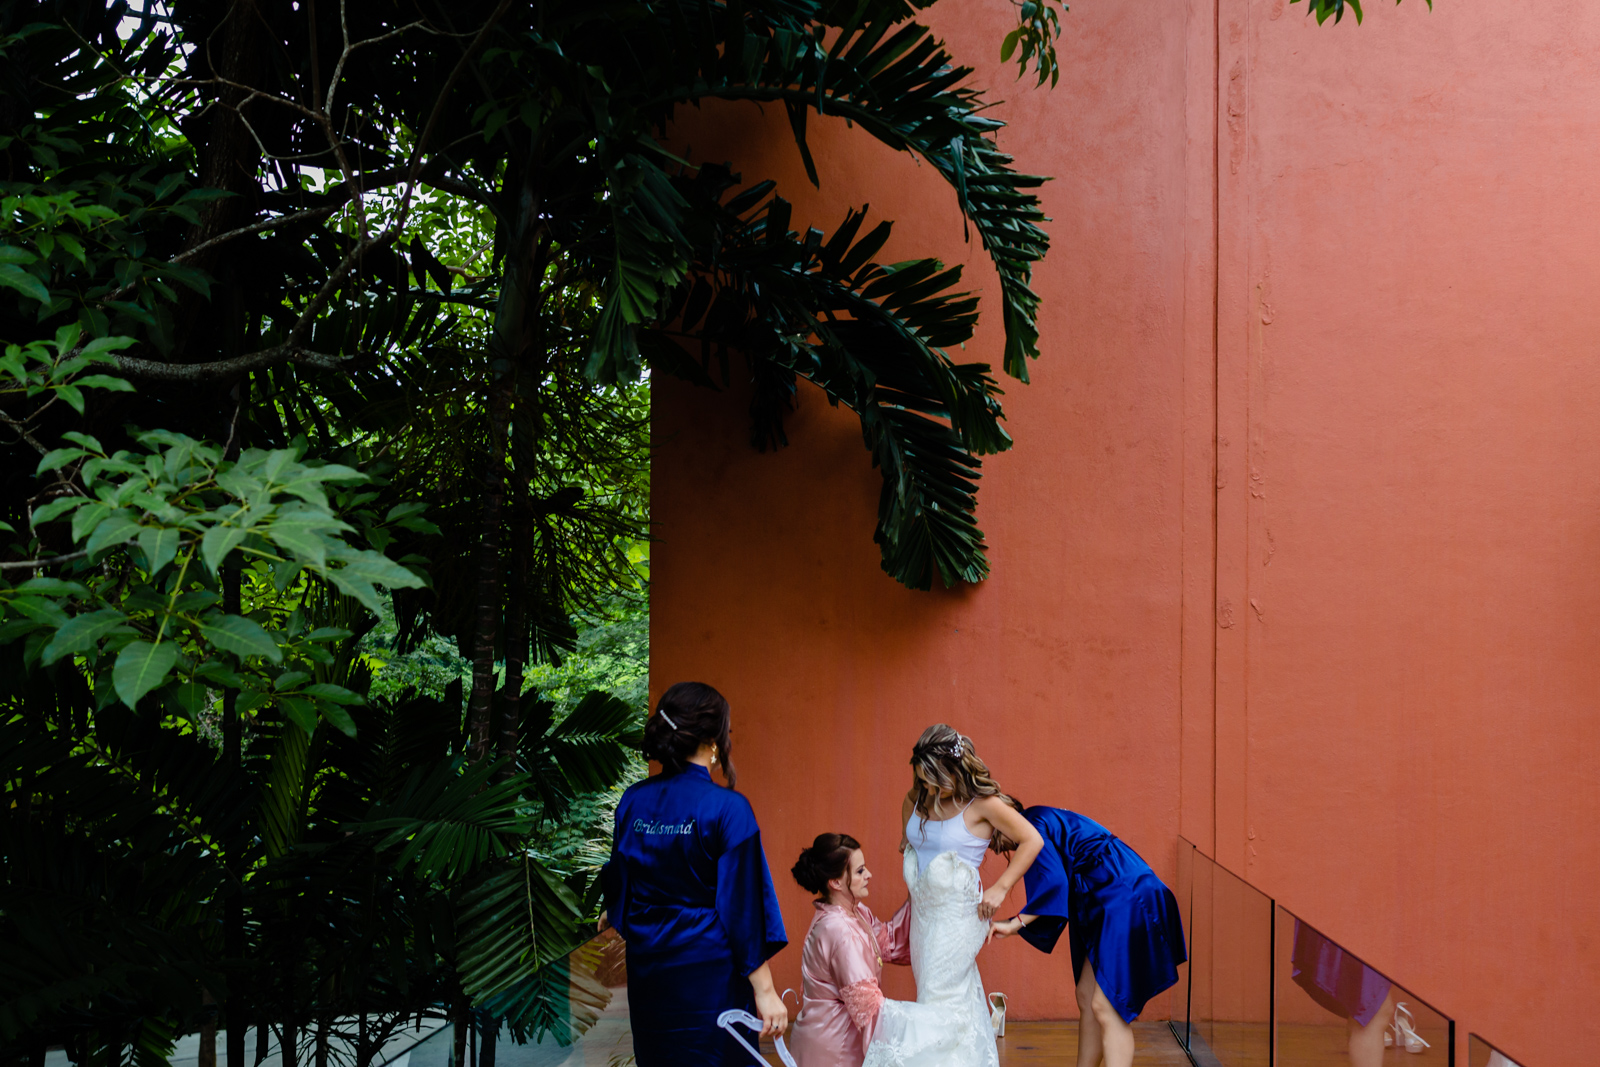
<point x="1004" y="929"/>
<point x="993" y="897"/>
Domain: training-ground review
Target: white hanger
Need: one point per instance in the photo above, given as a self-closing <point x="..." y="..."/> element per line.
<point x="744" y="1018"/>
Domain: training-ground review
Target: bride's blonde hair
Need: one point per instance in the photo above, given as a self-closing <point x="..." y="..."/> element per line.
<point x="949" y="761"/>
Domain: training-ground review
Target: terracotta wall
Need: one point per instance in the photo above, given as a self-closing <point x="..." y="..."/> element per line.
<point x="1299" y="551"/>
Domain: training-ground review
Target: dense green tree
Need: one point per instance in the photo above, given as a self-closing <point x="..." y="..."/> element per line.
<point x="326" y="332"/>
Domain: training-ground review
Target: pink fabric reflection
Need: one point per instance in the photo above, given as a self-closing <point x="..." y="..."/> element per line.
<point x="840" y="967"/>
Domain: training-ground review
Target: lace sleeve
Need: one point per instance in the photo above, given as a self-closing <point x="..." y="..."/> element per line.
<point x="862" y="1000"/>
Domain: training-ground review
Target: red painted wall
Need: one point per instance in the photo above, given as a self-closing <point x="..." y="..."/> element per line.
<point x="1297" y="553"/>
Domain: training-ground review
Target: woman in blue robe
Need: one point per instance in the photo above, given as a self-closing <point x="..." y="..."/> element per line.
<point x="1126" y="932"/>
<point x="688" y="889"/>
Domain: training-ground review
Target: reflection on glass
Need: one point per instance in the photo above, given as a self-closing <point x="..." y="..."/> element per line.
<point x="1184" y="890"/>
<point x="1230" y="968"/>
<point x="1482" y="1054"/>
<point x="574" y="1014"/>
<point x="1335" y="1009"/>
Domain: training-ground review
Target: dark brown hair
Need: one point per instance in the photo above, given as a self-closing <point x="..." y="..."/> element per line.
<point x="827" y="858"/>
<point x="687" y="716"/>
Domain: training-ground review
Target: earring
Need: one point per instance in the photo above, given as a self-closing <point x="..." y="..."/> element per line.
<point x="716" y="754"/>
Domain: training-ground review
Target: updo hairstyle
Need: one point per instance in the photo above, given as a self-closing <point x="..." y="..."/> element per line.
<point x="949" y="761"/>
<point x="827" y="858"/>
<point x="687" y="716"/>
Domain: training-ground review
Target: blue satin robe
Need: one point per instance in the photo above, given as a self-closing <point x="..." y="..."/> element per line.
<point x="688" y="889"/>
<point x="1123" y="919"/>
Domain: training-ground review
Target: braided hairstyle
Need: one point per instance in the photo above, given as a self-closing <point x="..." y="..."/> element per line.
<point x="827" y="858"/>
<point x="687" y="716"/>
<point x="948" y="761"/>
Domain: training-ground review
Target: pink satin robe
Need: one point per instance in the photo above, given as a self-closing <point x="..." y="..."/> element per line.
<point x="840" y="967"/>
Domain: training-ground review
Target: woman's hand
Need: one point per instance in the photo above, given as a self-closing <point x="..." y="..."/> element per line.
<point x="774" y="1014"/>
<point x="769" y="1005"/>
<point x="604" y="924"/>
<point x="993" y="897"/>
<point x="1005" y="928"/>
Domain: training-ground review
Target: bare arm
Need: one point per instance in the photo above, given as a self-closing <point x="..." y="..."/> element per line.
<point x="1009" y="821"/>
<point x="774" y="1014"/>
<point x="905" y="818"/>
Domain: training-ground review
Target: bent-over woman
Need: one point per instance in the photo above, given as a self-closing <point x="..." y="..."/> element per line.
<point x="1126" y="933"/>
<point x="688" y="889"/>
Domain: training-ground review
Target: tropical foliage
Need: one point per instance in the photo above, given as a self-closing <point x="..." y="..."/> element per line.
<point x="327" y="331"/>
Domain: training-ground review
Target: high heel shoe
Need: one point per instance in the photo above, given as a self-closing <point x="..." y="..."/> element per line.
<point x="1402" y="1033"/>
<point x="997" y="1013"/>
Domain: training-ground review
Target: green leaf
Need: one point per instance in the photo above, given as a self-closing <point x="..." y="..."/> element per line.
<point x="105" y="381"/>
<point x="358" y="576"/>
<point x="55" y="459"/>
<point x="82" y="632"/>
<point x="88" y="518"/>
<point x="218" y="542"/>
<point x="192" y="698"/>
<point x="159" y="545"/>
<point x="336" y="693"/>
<point x="72" y="395"/>
<point x="300" y="711"/>
<point x="337" y="717"/>
<point x="57" y="507"/>
<point x="118" y="528"/>
<point x="290" y="679"/>
<point x="140" y="668"/>
<point x="240" y="636"/>
<point x="52" y="587"/>
<point x="14" y="277"/>
<point x="16" y="254"/>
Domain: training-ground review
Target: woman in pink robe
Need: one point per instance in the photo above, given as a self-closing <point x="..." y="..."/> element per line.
<point x="844" y="954"/>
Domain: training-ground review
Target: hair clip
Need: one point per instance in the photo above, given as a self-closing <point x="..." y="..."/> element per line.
<point x="664" y="715"/>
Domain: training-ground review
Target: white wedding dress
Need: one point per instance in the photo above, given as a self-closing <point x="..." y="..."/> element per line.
<point x="948" y="1024"/>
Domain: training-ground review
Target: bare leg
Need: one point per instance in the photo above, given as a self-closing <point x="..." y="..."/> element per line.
<point x="1366" y="1042"/>
<point x="1116" y="1036"/>
<point x="1091" y="1043"/>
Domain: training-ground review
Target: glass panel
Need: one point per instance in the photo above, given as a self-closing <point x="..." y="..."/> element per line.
<point x="1334" y="1009"/>
<point x="1239" y="1023"/>
<point x="1184" y="891"/>
<point x="585" y="1023"/>
<point x="1482" y="1054"/>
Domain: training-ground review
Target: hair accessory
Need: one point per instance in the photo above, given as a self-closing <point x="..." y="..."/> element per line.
<point x="950" y="750"/>
<point x="664" y="715"/>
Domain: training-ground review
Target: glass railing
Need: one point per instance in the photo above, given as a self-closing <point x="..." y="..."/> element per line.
<point x="1334" y="1008"/>
<point x="1227" y="985"/>
<point x="1482" y="1054"/>
<point x="1263" y="988"/>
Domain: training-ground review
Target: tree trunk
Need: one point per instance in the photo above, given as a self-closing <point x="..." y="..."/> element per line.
<point x="236" y="1017"/>
<point x="207" y="1055"/>
<point x="487" y="623"/>
<point x="510" y="725"/>
<point x="488" y="1035"/>
<point x="458" y="1038"/>
<point x="228" y="160"/>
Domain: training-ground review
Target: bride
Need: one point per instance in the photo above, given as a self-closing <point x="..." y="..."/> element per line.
<point x="950" y="816"/>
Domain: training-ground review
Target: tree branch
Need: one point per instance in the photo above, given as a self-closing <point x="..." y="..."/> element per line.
<point x="415" y="168"/>
<point x="22" y="431"/>
<point x="291" y="348"/>
<point x="35" y="564"/>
